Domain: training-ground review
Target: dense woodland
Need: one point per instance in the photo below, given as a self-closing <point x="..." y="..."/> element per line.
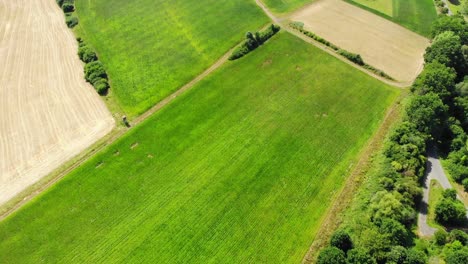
<point x="436" y="117"/>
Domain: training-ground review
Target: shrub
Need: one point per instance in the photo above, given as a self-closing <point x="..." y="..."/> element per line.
<point x="59" y="2"/>
<point x="94" y="71"/>
<point x="360" y="256"/>
<point x="71" y="21"/>
<point x="101" y="85"/>
<point x="450" y="211"/>
<point x="253" y="41"/>
<point x="458" y="235"/>
<point x="67" y="8"/>
<point x="415" y="257"/>
<point x="356" y="58"/>
<point x="440" y="237"/>
<point x="465" y="184"/>
<point x="397" y="255"/>
<point x="86" y="54"/>
<point x="341" y="239"/>
<point x="457" y="257"/>
<point x="331" y="255"/>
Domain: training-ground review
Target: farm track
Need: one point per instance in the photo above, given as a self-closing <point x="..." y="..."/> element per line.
<point x="48" y="113"/>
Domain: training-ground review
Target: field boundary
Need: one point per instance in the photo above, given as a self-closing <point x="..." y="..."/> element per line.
<point x="286" y="27"/>
<point x="30" y="193"/>
<point x="333" y="217"/>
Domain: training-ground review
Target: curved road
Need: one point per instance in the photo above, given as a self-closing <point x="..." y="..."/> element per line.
<point x="434" y="171"/>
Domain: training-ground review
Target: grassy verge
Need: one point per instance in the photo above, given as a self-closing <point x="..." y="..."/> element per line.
<point x="416" y="15"/>
<point x="435" y="193"/>
<point x="239" y="169"/>
<point x="151" y="48"/>
<point x="285" y="6"/>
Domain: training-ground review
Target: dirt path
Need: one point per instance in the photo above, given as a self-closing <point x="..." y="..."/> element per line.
<point x="48" y="113"/>
<point x="283" y="22"/>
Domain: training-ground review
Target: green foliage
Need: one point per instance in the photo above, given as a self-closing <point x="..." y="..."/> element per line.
<point x="457" y="257"/>
<point x="253" y="41"/>
<point x="415" y="257"/>
<point x="67" y="8"/>
<point x="440" y="237"/>
<point x="446" y="49"/>
<point x="449" y="210"/>
<point x="331" y="255"/>
<point x="436" y="78"/>
<point x="341" y="240"/>
<point x="71" y="21"/>
<point x="360" y="256"/>
<point x="356" y="58"/>
<point x="86" y="54"/>
<point x="233" y="163"/>
<point x="300" y="27"/>
<point x="397" y="255"/>
<point x="458" y="235"/>
<point x="394" y="231"/>
<point x="94" y="71"/>
<point x="59" y="2"/>
<point x="456" y="24"/>
<point x="101" y="85"/>
<point x="428" y="113"/>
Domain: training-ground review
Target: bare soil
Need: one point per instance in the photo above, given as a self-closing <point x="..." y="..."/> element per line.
<point x="48" y="113"/>
<point x="381" y="43"/>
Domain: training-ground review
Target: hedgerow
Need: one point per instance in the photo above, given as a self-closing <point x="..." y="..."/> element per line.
<point x="253" y="41"/>
<point x="94" y="70"/>
<point x="355" y="58"/>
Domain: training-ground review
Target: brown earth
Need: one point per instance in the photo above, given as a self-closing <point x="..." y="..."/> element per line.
<point x="48" y="113"/>
<point x="381" y="43"/>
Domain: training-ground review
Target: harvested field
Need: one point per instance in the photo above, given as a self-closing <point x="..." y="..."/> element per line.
<point x="381" y="43"/>
<point x="48" y="113"/>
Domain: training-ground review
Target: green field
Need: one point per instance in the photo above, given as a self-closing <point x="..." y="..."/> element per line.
<point x="239" y="169"/>
<point x="153" y="47"/>
<point x="284" y="6"/>
<point x="416" y="15"/>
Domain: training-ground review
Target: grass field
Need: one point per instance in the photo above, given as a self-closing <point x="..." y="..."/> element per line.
<point x="153" y="47"/>
<point x="284" y="6"/>
<point x="416" y="15"/>
<point x="239" y="169"/>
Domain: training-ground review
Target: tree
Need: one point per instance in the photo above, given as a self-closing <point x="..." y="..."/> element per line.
<point x="449" y="210"/>
<point x="67" y="8"/>
<point x="341" y="240"/>
<point x="331" y="255"/>
<point x="456" y="24"/>
<point x="440" y="237"/>
<point x="86" y="54"/>
<point x="457" y="257"/>
<point x="360" y="256"/>
<point x="94" y="71"/>
<point x="458" y="235"/>
<point x="398" y="255"/>
<point x="428" y="113"/>
<point x="394" y="231"/>
<point x="447" y="49"/>
<point x="436" y="78"/>
<point x="415" y="257"/>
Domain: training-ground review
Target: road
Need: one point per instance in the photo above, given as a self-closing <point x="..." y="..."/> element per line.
<point x="434" y="171"/>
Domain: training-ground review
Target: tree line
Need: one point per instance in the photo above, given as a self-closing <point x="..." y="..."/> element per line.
<point x="435" y="114"/>
<point x="68" y="7"/>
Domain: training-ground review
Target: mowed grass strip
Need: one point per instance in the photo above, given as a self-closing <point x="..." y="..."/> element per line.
<point x="150" y="48"/>
<point x="239" y="169"/>
<point x="416" y="15"/>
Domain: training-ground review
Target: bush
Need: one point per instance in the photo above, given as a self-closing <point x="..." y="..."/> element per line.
<point x="415" y="257"/>
<point x="360" y="256"/>
<point x="397" y="255"/>
<point x="450" y="211"/>
<point x="356" y="58"/>
<point x="440" y="237"/>
<point x="458" y="235"/>
<point x="71" y="21"/>
<point x="341" y="240"/>
<point x="59" y="2"/>
<point x="253" y="41"/>
<point x="101" y="86"/>
<point x="457" y="257"/>
<point x="67" y="8"/>
<point x="86" y="54"/>
<point x="331" y="255"/>
<point x="94" y="71"/>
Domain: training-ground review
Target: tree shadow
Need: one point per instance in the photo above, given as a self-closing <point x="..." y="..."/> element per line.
<point x="454" y="2"/>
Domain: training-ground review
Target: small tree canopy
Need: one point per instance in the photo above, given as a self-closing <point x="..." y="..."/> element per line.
<point x="331" y="255"/>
